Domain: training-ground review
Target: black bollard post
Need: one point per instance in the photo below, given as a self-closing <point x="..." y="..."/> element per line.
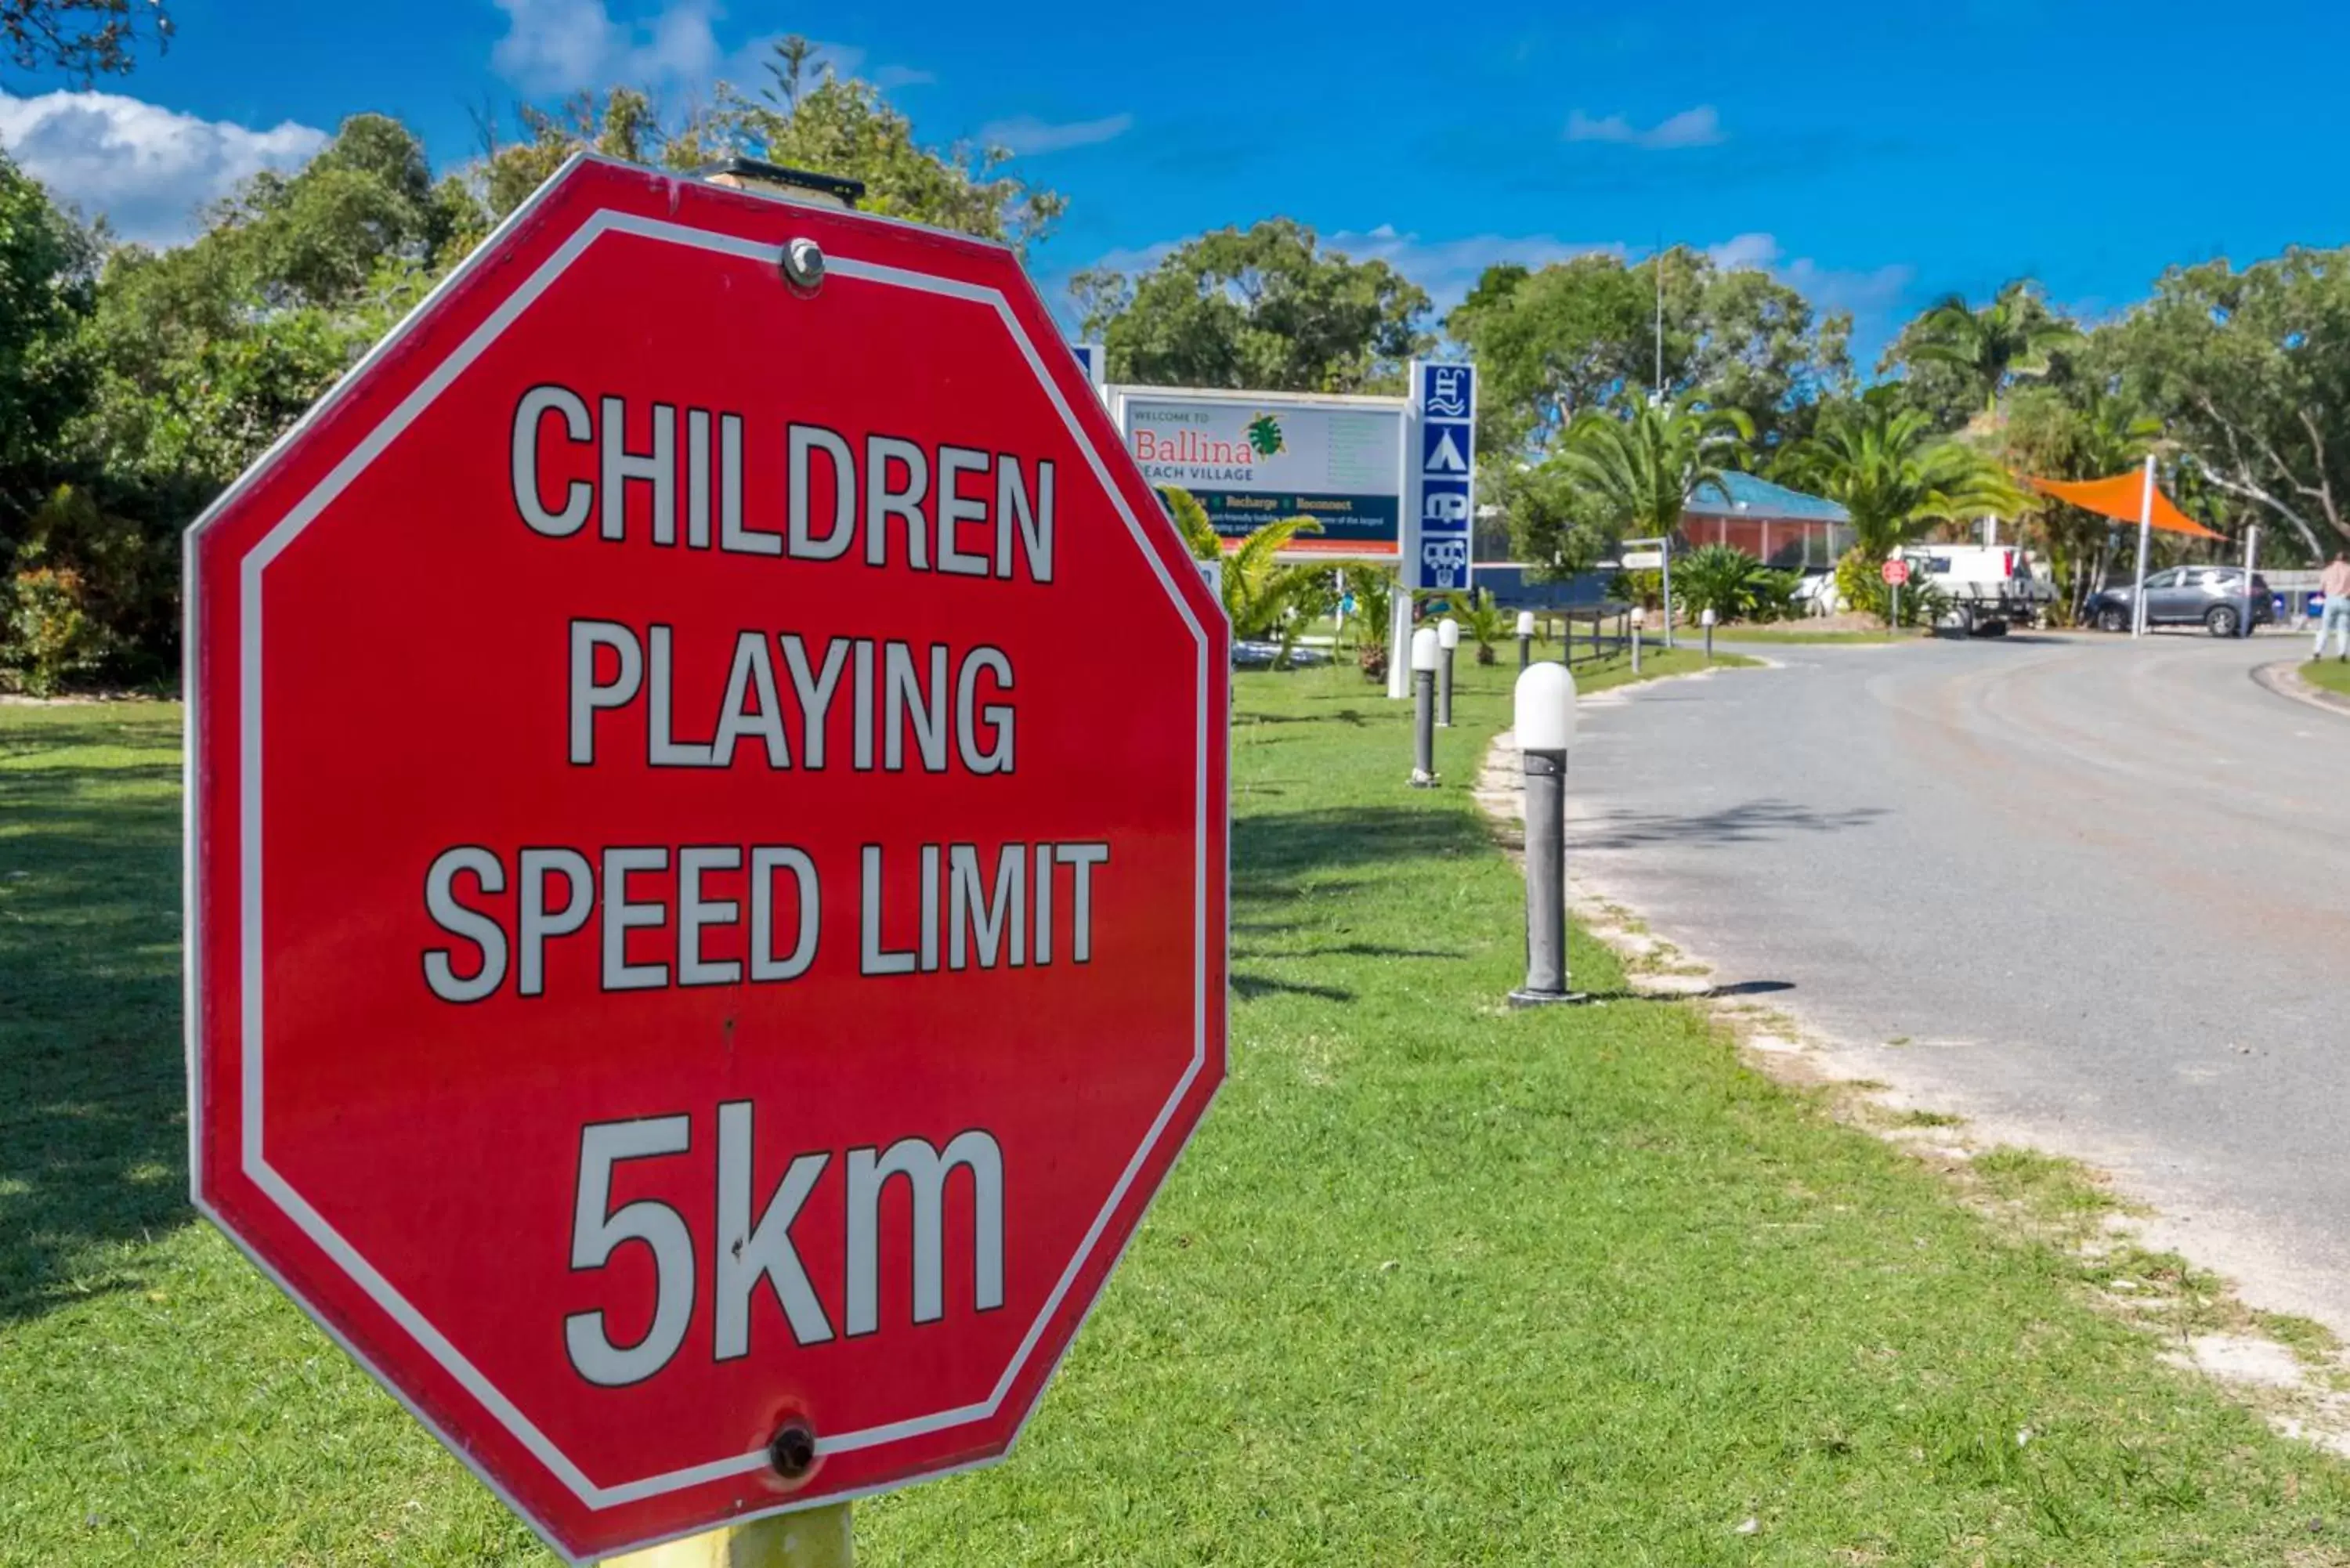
<point x="1545" y="729"/>
<point x="1424" y="659"/>
<point x="1525" y="638"/>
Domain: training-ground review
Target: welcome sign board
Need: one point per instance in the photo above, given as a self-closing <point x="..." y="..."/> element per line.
<point x="1250" y="458"/>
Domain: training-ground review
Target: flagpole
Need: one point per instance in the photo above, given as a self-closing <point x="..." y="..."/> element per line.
<point x="2145" y="535"/>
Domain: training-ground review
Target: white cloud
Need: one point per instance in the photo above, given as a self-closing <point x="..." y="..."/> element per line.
<point x="562" y="46"/>
<point x="1867" y="293"/>
<point x="1699" y="127"/>
<point x="1745" y="251"/>
<point x="147" y="168"/>
<point x="1026" y="134"/>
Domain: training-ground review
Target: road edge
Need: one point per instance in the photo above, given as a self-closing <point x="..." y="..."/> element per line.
<point x="2292" y="1391"/>
<point x="2284" y="678"/>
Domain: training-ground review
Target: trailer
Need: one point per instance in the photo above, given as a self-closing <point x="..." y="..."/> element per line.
<point x="1984" y="589"/>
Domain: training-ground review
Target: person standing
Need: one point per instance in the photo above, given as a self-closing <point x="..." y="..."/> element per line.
<point x="2334" y="583"/>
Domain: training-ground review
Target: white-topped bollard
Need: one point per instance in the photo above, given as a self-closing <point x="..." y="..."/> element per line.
<point x="1425" y="656"/>
<point x="1545" y="729"/>
<point x="1448" y="639"/>
<point x="1525" y="638"/>
<point x="1706" y="618"/>
<point x="1639" y="620"/>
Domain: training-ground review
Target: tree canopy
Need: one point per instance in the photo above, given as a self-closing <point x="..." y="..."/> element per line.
<point x="1895" y="474"/>
<point x="1575" y="334"/>
<point x="83" y="39"/>
<point x="1265" y="308"/>
<point x="2249" y="373"/>
<point x="1982" y="352"/>
<point x="135" y="384"/>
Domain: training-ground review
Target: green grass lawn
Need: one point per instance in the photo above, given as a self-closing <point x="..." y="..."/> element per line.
<point x="2328" y="674"/>
<point x="1437" y="1283"/>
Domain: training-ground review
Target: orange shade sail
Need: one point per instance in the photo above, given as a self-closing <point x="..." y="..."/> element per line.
<point x="2120" y="499"/>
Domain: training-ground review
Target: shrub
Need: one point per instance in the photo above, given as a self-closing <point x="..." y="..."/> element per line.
<point x="1860" y="578"/>
<point x="1484" y="623"/>
<point x="51" y="635"/>
<point x="1374" y="617"/>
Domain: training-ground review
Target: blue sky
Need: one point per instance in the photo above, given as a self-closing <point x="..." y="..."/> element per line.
<point x="1873" y="160"/>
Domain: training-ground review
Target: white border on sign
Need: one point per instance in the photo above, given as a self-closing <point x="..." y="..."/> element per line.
<point x="253" y="1158"/>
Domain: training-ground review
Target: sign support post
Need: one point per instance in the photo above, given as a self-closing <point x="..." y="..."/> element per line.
<point x="818" y="1537"/>
<point x="1665" y="546"/>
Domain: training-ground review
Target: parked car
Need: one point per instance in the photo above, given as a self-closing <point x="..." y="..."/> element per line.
<point x="1817" y="594"/>
<point x="2186" y="596"/>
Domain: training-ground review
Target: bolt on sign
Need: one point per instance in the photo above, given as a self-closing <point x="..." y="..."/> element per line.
<point x="696" y="971"/>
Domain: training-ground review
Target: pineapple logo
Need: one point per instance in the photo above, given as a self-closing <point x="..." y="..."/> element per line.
<point x="1264" y="435"/>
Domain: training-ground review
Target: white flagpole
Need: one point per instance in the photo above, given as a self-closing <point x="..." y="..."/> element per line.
<point x="2145" y="534"/>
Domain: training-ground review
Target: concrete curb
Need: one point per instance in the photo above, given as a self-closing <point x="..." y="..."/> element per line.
<point x="2285" y="680"/>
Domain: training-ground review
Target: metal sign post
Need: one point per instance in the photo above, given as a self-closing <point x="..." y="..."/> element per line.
<point x="2145" y="541"/>
<point x="2252" y="555"/>
<point x="1654" y="556"/>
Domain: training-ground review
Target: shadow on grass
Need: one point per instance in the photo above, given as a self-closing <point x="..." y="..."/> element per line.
<point x="1351" y="716"/>
<point x="1249" y="987"/>
<point x="1274" y="852"/>
<point x="1751" y="822"/>
<point x="92" y="1123"/>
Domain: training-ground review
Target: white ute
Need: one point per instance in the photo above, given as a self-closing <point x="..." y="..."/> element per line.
<point x="1986" y="588"/>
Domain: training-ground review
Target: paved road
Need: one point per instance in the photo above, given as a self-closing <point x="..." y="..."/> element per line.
<point x="2099" y="892"/>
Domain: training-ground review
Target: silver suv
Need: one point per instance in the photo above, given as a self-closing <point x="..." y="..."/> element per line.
<point x="2212" y="597"/>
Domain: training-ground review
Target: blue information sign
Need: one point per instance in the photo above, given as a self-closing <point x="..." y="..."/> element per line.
<point x="1442" y="504"/>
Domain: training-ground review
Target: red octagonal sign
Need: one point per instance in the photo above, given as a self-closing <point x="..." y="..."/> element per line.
<point x="707" y="868"/>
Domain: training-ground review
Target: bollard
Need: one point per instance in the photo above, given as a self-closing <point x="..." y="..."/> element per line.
<point x="1525" y="638"/>
<point x="1639" y="620"/>
<point x="1448" y="638"/>
<point x="1706" y="619"/>
<point x="1545" y="729"/>
<point x="813" y="1537"/>
<point x="1425" y="656"/>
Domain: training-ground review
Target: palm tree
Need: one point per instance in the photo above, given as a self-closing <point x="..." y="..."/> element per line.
<point x="1897" y="477"/>
<point x="1642" y="465"/>
<point x="2011" y="337"/>
<point x="1258" y="587"/>
<point x="2084" y="433"/>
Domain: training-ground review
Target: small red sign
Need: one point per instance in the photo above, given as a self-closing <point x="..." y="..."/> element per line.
<point x="699" y="964"/>
<point x="1897" y="572"/>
